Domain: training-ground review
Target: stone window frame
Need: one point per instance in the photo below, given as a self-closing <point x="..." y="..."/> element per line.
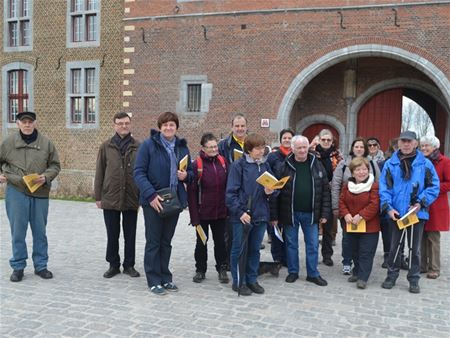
<point x="18" y="18"/>
<point x="83" y="65"/>
<point x="69" y="25"/>
<point x="206" y="94"/>
<point x="30" y="84"/>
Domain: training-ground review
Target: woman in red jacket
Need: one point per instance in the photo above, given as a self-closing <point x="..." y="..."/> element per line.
<point x="359" y="201"/>
<point x="439" y="210"/>
<point x="206" y="200"/>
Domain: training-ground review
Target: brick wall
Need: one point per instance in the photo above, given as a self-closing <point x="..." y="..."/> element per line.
<point x="77" y="147"/>
<point x="252" y="59"/>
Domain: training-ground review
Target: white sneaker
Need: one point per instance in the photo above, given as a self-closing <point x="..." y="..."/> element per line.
<point x="347" y="269"/>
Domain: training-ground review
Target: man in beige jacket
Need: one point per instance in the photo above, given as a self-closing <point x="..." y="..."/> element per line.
<point x="24" y="153"/>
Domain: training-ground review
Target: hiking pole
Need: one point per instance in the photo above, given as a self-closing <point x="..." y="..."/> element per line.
<point x="410" y="247"/>
<point x="399" y="245"/>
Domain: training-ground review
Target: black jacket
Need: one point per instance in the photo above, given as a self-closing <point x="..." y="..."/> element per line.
<point x="281" y="209"/>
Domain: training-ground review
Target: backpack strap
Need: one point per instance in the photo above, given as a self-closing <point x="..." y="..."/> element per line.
<point x="222" y="162"/>
<point x="199" y="169"/>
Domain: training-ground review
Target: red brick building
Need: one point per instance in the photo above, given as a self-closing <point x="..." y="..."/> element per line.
<point x="306" y="65"/>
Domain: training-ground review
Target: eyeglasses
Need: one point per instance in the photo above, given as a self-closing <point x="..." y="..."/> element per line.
<point x="326" y="139"/>
<point x="372" y="144"/>
<point x="122" y="124"/>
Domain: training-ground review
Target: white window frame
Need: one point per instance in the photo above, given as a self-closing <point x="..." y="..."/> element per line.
<point x="84" y="14"/>
<point x="5" y="85"/>
<point x="19" y="19"/>
<point x="206" y="93"/>
<point x="83" y="65"/>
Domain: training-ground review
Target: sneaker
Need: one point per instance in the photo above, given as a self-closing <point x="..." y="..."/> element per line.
<point x="333" y="243"/>
<point x="414" y="287"/>
<point x="223" y="277"/>
<point x="170" y="287"/>
<point x="328" y="261"/>
<point x="404" y="264"/>
<point x="360" y="284"/>
<point x="256" y="288"/>
<point x="433" y="274"/>
<point x="158" y="290"/>
<point x="131" y="271"/>
<point x="262" y="247"/>
<point x="317" y="280"/>
<point x="111" y="272"/>
<point x="199" y="277"/>
<point x="16" y="276"/>
<point x="347" y="269"/>
<point x="45" y="274"/>
<point x="291" y="278"/>
<point x="384" y="265"/>
<point x="388" y="283"/>
<point x="352" y="279"/>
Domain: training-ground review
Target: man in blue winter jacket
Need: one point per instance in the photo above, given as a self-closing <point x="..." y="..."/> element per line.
<point x="408" y="181"/>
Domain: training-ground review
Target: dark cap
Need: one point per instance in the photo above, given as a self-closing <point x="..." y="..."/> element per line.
<point x="408" y="135"/>
<point x="26" y="115"/>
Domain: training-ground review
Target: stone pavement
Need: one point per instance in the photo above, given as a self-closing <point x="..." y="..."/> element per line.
<point x="79" y="302"/>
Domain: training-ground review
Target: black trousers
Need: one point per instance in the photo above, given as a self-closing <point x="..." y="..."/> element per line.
<point x="201" y="251"/>
<point x="112" y="222"/>
<point x="327" y="239"/>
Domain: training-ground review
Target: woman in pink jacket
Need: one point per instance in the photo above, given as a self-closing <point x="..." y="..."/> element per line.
<point x="439" y="210"/>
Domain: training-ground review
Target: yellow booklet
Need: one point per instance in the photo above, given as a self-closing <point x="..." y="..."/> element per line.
<point x="237" y="154"/>
<point x="201" y="233"/>
<point x="360" y="227"/>
<point x="183" y="163"/>
<point x="28" y="179"/>
<point x="269" y="181"/>
<point x="408" y="219"/>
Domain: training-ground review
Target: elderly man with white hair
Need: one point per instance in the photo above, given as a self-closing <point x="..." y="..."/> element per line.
<point x="303" y="202"/>
<point x="439" y="210"/>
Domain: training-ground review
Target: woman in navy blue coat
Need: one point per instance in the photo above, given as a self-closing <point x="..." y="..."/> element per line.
<point x="248" y="205"/>
<point x="157" y="167"/>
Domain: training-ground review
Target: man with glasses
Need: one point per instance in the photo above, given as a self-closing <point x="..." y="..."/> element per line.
<point x="329" y="156"/>
<point x="375" y="152"/>
<point x="116" y="193"/>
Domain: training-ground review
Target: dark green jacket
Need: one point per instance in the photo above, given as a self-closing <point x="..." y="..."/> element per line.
<point x="114" y="184"/>
<point x="18" y="159"/>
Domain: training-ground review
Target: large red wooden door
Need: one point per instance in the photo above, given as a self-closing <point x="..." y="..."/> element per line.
<point x="381" y="116"/>
<point x="314" y="129"/>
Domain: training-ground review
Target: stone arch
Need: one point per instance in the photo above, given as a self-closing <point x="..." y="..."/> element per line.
<point x="366" y="50"/>
<point x="322" y="118"/>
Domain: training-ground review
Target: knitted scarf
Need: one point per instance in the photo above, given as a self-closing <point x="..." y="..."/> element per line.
<point x="170" y="148"/>
<point x="122" y="142"/>
<point x="358" y="188"/>
<point x="434" y="156"/>
<point x="406" y="162"/>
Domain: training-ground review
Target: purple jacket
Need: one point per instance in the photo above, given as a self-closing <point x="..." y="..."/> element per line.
<point x="209" y="203"/>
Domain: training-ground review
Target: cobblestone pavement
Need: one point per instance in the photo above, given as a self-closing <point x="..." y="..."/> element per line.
<point x="79" y="302"/>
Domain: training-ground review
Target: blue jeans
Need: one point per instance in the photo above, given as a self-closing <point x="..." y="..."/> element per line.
<point x="255" y="238"/>
<point x="21" y="210"/>
<point x="158" y="246"/>
<point x="311" y="237"/>
<point x="346" y="246"/>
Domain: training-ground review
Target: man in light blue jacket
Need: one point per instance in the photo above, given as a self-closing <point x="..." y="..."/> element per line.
<point x="408" y="181"/>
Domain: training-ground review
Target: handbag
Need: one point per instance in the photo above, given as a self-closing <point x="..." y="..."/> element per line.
<point x="171" y="204"/>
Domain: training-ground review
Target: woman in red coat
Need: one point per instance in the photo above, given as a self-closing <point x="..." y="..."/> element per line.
<point x="359" y="201"/>
<point x="439" y="210"/>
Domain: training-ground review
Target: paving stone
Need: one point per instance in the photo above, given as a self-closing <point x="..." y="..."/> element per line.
<point x="79" y="302"/>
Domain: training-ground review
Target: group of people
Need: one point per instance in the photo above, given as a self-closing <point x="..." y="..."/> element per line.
<point x="364" y="192"/>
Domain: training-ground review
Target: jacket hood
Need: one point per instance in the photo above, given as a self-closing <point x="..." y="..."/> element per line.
<point x="154" y="134"/>
<point x="248" y="159"/>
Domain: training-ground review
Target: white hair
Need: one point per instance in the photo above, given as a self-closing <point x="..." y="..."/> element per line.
<point x="301" y="138"/>
<point x="431" y="140"/>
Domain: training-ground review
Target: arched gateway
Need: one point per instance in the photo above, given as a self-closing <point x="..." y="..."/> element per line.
<point x="359" y="51"/>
